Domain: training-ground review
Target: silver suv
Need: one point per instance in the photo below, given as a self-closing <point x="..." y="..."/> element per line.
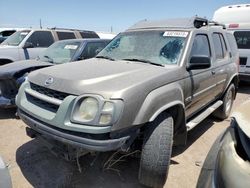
<point x="27" y="44"/>
<point x="144" y="91"/>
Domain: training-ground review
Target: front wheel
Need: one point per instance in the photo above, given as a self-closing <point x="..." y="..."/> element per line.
<point x="156" y="152"/>
<point x="224" y="111"/>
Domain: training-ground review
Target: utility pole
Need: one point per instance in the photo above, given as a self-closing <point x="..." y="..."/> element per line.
<point x="111" y="29"/>
<point x="40" y="21"/>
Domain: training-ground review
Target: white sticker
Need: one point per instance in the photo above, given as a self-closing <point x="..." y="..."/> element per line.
<point x="70" y="47"/>
<point x="24" y="33"/>
<point x="175" y="34"/>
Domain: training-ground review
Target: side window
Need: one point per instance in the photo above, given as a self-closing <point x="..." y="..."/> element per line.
<point x="218" y="46"/>
<point x="224" y="47"/>
<point x="92" y="49"/>
<point x="201" y="46"/>
<point x="65" y="35"/>
<point x="232" y="43"/>
<point x="41" y="39"/>
<point x="88" y="34"/>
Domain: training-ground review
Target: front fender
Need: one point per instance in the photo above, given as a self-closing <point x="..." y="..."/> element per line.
<point x="158" y="101"/>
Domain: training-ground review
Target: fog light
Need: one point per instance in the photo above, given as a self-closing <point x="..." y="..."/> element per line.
<point x="105" y="119"/>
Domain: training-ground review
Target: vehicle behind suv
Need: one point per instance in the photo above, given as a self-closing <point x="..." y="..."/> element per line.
<point x="12" y="75"/>
<point x="27" y="44"/>
<point x="237" y="20"/>
<point x="144" y="91"/>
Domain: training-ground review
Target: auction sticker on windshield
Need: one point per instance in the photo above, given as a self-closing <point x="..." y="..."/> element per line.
<point x="71" y="47"/>
<point x="175" y="34"/>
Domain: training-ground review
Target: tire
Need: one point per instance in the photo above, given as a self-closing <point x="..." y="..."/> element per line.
<point x="156" y="152"/>
<point x="224" y="111"/>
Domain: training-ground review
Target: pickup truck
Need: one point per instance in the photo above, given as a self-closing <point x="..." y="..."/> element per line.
<point x="144" y="91"/>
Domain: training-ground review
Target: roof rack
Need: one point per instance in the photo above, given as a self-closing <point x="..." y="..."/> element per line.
<point x="58" y="28"/>
<point x="186" y="23"/>
<point x="213" y="23"/>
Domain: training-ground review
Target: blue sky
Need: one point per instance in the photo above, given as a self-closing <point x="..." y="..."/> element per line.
<point x="100" y="15"/>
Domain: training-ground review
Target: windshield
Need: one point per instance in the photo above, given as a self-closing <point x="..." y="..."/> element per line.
<point x="60" y="52"/>
<point x="157" y="47"/>
<point x="16" y="38"/>
<point x="242" y="39"/>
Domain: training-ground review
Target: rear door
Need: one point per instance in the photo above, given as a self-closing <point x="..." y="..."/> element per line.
<point x="220" y="62"/>
<point x="243" y="43"/>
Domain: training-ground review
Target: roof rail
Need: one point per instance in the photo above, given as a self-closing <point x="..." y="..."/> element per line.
<point x="58" y="28"/>
<point x="213" y="23"/>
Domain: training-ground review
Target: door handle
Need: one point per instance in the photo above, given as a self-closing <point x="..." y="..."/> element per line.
<point x="213" y="72"/>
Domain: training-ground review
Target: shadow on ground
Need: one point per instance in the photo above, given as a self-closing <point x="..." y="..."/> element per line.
<point x="43" y="169"/>
<point x="8" y="113"/>
<point x="244" y="87"/>
<point x="195" y="134"/>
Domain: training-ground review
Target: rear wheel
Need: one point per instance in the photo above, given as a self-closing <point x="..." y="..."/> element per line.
<point x="224" y="111"/>
<point x="156" y="152"/>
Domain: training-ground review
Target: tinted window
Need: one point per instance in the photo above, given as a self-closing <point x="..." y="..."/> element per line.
<point x="201" y="46"/>
<point x="92" y="49"/>
<point x="217" y="46"/>
<point x="65" y="35"/>
<point x="88" y="34"/>
<point x="232" y="43"/>
<point x="41" y="39"/>
<point x="242" y="39"/>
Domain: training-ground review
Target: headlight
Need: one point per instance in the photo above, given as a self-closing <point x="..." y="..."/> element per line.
<point x="95" y="110"/>
<point x="87" y="110"/>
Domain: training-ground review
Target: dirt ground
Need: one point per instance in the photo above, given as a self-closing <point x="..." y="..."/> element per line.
<point x="32" y="165"/>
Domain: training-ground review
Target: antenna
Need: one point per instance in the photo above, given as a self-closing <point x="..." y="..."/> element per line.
<point x="40" y="22"/>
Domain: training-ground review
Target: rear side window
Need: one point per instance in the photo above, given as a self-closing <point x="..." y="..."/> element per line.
<point x="219" y="45"/>
<point x="232" y="43"/>
<point x="88" y="34"/>
<point x="41" y="39"/>
<point x="65" y="35"/>
<point x="201" y="46"/>
<point x="92" y="49"/>
<point x="242" y="39"/>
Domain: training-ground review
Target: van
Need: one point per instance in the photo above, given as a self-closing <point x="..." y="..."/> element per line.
<point x="237" y="20"/>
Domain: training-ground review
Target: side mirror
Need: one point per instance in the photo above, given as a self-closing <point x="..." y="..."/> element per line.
<point x="199" y="62"/>
<point x="28" y="45"/>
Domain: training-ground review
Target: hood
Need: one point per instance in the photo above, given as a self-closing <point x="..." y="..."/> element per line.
<point x="9" y="70"/>
<point x="111" y="79"/>
<point x="7" y="47"/>
<point x="242" y="116"/>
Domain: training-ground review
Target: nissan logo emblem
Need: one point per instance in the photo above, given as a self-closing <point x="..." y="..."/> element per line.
<point x="49" y="81"/>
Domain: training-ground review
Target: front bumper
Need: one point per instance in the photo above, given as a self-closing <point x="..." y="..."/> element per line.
<point x="6" y="103"/>
<point x="68" y="137"/>
<point x="225" y="167"/>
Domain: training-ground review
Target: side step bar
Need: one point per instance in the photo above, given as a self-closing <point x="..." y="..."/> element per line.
<point x="193" y="122"/>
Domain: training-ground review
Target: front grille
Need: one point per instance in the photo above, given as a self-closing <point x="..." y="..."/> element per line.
<point x="243" y="60"/>
<point x="43" y="104"/>
<point x="49" y="92"/>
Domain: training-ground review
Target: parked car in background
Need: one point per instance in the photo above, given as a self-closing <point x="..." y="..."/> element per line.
<point x="13" y="75"/>
<point x="6" y="32"/>
<point x="228" y="161"/>
<point x="5" y="180"/>
<point x="27" y="44"/>
<point x="237" y="19"/>
<point x="144" y="91"/>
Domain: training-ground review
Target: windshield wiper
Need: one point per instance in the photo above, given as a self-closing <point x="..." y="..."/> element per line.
<point x="105" y="57"/>
<point x="143" y="61"/>
<point x="49" y="58"/>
